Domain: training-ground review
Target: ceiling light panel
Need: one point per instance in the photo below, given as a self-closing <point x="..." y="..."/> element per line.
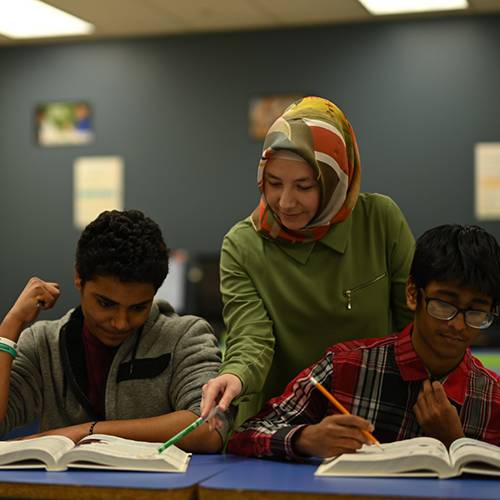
<point x="35" y="19"/>
<point x="383" y="7"/>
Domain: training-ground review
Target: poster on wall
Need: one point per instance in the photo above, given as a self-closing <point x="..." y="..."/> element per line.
<point x="264" y="110"/>
<point x="487" y="180"/>
<point x="98" y="185"/>
<point x="63" y="123"/>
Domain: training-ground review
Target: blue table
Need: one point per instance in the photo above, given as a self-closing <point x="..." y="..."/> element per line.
<point x="256" y="478"/>
<point x="219" y="477"/>
<point x="85" y="484"/>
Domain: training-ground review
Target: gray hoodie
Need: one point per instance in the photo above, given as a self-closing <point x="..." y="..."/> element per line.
<point x="159" y="369"/>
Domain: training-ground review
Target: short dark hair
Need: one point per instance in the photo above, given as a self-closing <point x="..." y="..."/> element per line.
<point x="126" y="245"/>
<point x="468" y="255"/>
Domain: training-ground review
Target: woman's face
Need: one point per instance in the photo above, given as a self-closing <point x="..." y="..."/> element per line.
<point x="291" y="191"/>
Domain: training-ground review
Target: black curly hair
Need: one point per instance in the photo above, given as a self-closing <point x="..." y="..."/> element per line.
<point x="467" y="255"/>
<point x="126" y="245"/>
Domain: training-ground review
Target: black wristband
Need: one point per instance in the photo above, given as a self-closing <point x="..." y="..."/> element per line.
<point x="92" y="425"/>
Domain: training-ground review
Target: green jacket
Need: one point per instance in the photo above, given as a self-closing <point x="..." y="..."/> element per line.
<point x="284" y="304"/>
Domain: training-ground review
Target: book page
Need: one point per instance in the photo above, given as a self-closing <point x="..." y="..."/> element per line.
<point x="46" y="449"/>
<point x="408" y="447"/>
<point x="125" y="454"/>
<point x="465" y="451"/>
<point x="408" y="456"/>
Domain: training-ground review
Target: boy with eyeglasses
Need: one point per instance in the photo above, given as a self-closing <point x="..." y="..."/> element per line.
<point x="423" y="381"/>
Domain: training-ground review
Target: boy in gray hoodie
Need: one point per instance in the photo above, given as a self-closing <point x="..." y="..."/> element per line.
<point x="120" y="363"/>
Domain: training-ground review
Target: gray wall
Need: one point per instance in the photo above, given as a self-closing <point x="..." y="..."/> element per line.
<point x="419" y="94"/>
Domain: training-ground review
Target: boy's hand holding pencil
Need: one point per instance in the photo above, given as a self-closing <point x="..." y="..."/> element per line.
<point x="335" y="434"/>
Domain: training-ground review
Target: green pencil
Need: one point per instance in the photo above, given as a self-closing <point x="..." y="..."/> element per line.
<point x="181" y="434"/>
<point x="186" y="430"/>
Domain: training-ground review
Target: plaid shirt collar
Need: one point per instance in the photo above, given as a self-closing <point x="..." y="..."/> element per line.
<point x="411" y="367"/>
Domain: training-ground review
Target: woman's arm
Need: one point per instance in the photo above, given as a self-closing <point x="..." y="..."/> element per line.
<point x="250" y="339"/>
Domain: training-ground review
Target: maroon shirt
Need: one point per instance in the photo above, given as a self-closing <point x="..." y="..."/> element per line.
<point x="98" y="359"/>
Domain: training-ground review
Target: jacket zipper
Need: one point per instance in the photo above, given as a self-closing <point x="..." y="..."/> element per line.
<point x="348" y="293"/>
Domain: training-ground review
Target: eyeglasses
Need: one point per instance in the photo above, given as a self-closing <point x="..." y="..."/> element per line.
<point x="440" y="309"/>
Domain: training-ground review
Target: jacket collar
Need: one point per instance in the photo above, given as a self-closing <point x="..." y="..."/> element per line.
<point x="336" y="239"/>
<point x="73" y="357"/>
<point x="73" y="353"/>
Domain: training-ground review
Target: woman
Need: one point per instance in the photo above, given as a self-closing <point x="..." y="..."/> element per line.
<point x="316" y="262"/>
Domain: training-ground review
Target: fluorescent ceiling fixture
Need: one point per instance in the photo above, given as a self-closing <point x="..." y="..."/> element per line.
<point x="34" y="19"/>
<point x="381" y="7"/>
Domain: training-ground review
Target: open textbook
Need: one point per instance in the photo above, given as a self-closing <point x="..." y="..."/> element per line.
<point x="420" y="456"/>
<point x="97" y="451"/>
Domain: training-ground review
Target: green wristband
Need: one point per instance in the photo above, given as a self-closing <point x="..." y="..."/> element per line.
<point x="9" y="350"/>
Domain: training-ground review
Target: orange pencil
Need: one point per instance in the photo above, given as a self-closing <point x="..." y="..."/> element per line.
<point x="342" y="409"/>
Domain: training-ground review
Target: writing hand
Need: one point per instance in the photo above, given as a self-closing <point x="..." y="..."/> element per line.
<point x="332" y="436"/>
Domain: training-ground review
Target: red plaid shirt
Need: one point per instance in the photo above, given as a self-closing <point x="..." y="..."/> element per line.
<point x="379" y="380"/>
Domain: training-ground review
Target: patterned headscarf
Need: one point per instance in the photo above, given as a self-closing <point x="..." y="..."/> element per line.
<point x="318" y="131"/>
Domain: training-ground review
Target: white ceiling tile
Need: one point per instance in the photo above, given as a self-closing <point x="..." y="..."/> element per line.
<point x="297" y="12"/>
<point x="214" y="15"/>
<point x="120" y="16"/>
<point x="147" y="17"/>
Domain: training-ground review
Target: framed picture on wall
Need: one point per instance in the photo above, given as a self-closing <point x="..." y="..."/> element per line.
<point x="263" y="111"/>
<point x="62" y="123"/>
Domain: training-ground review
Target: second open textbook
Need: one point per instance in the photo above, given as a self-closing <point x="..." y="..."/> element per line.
<point x="420" y="456"/>
<point x="98" y="451"/>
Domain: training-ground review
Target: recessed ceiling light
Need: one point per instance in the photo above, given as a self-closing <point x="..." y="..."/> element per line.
<point x="381" y="7"/>
<point x="34" y="19"/>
